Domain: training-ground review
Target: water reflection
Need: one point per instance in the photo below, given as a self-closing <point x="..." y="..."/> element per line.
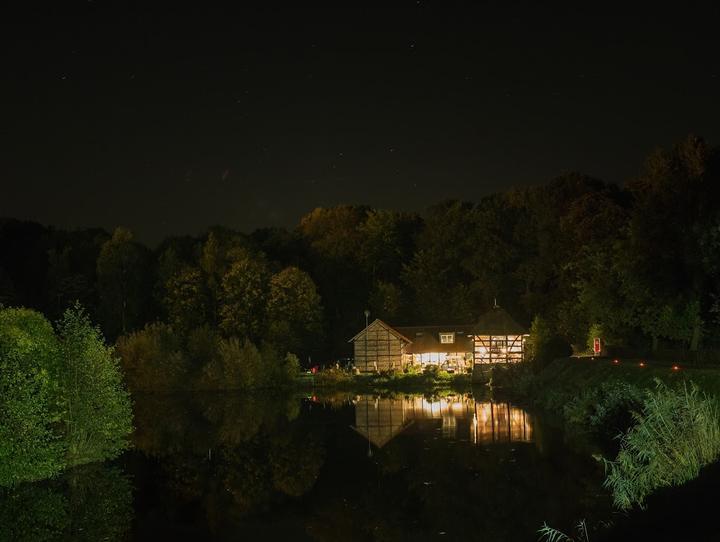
<point x="381" y="419"/>
<point x="89" y="503"/>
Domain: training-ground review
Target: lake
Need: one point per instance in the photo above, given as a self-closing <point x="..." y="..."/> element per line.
<point x="323" y="467"/>
<point x="346" y="466"/>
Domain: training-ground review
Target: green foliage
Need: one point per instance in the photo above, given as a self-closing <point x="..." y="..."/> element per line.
<point x="332" y="377"/>
<point x="88" y="504"/>
<point x="121" y="288"/>
<point x="606" y="408"/>
<point x="238" y="365"/>
<point x="62" y="399"/>
<point x="153" y="359"/>
<point x="550" y="534"/>
<point x="294" y="312"/>
<point x="31" y="445"/>
<point x="186" y="299"/>
<point x="97" y="413"/>
<point x="202" y="345"/>
<point x="242" y="365"/>
<point x="544" y="345"/>
<point x="244" y="296"/>
<point x="676" y="434"/>
<point x="595" y="331"/>
<point x="517" y="377"/>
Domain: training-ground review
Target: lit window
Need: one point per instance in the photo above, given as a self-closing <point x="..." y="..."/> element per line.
<point x="447" y="338"/>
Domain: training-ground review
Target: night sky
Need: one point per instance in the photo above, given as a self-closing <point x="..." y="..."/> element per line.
<point x="169" y="121"/>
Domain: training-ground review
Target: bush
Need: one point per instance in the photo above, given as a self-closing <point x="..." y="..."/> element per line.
<point x="677" y="433"/>
<point x="237" y="365"/>
<point x="332" y="377"/>
<point x="152" y="358"/>
<point x="97" y="410"/>
<point x="515" y="377"/>
<point x="31" y="447"/>
<point x="202" y="345"/>
<point x="543" y="345"/>
<point x="412" y="370"/>
<point x="62" y="399"/>
<point x="606" y="408"/>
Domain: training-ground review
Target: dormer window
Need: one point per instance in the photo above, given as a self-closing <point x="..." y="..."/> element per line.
<point x="447" y="338"/>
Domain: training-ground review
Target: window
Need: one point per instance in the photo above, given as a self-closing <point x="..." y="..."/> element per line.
<point x="447" y="338"/>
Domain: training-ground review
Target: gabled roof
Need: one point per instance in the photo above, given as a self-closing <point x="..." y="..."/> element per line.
<point x="384" y="325"/>
<point x="497" y="321"/>
<point x="426" y="339"/>
<point x="380" y="435"/>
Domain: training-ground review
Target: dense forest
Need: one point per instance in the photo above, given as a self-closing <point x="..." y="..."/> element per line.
<point x="638" y="264"/>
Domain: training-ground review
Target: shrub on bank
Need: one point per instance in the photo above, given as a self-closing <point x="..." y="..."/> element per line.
<point x="676" y="434"/>
<point x="333" y="377"/>
<point x="62" y="398"/>
<point x="153" y="358"/>
<point x="605" y="409"/>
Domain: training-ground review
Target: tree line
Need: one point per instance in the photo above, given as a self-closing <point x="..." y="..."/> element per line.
<point x="636" y="264"/>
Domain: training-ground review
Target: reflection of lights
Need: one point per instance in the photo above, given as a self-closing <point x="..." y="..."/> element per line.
<point x="381" y="419"/>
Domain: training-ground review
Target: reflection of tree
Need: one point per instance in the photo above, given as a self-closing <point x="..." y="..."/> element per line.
<point x="89" y="503"/>
<point x="232" y="455"/>
<point x="295" y="460"/>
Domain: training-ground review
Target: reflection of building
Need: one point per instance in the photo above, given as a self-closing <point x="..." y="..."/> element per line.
<point x="495" y="338"/>
<point x="379" y="420"/>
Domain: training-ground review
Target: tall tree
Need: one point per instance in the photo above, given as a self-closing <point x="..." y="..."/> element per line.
<point x="244" y="296"/>
<point x="186" y="300"/>
<point x="294" y="312"/>
<point x="123" y="283"/>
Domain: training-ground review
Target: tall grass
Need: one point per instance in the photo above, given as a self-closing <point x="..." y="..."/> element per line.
<point x="676" y="434"/>
<point x="551" y="534"/>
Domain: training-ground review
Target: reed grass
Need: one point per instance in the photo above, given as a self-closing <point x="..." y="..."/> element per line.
<point x="674" y="436"/>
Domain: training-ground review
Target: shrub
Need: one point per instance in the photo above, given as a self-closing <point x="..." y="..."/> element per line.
<point x="202" y="345"/>
<point x="515" y="377"/>
<point x="238" y="365"/>
<point x="543" y="346"/>
<point x="62" y="402"/>
<point x="152" y="358"/>
<point x="97" y="412"/>
<point x="607" y="408"/>
<point x="412" y="369"/>
<point x="333" y="377"/>
<point x="677" y="433"/>
<point x="30" y="442"/>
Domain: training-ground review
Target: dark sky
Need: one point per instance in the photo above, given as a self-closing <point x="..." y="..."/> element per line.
<point x="168" y="121"/>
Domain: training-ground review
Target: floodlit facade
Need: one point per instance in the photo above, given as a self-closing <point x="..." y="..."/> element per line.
<point x="495" y="338"/>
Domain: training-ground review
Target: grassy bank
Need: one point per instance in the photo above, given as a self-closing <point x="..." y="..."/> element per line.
<point x="333" y="379"/>
<point x="565" y="379"/>
<point x="667" y="416"/>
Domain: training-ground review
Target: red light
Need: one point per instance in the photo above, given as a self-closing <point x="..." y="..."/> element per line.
<point x="642" y="364"/>
<point x="616" y="361"/>
<point x="675" y="367"/>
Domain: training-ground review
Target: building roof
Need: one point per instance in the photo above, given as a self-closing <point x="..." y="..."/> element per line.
<point x="497" y="321"/>
<point x="427" y="338"/>
<point x="379" y="322"/>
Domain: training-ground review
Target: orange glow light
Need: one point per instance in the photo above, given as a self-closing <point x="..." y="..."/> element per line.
<point x="675" y="367"/>
<point x="616" y="361"/>
<point x="642" y="364"/>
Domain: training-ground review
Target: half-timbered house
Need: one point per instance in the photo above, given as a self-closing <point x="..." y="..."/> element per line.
<point x="495" y="338"/>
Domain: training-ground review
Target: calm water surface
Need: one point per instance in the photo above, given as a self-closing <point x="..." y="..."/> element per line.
<point x="327" y="468"/>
